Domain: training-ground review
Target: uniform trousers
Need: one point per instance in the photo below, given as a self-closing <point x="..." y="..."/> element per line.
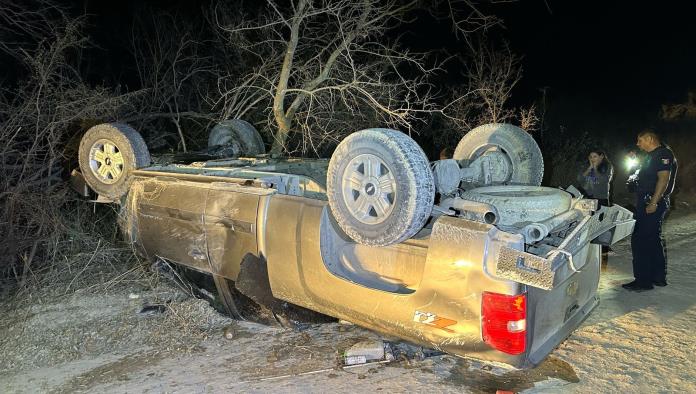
<point x="648" y="244"/>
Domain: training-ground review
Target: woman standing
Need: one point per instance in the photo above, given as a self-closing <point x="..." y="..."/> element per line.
<point x="595" y="180"/>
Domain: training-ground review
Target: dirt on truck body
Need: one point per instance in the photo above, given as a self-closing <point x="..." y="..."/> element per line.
<point x="469" y="256"/>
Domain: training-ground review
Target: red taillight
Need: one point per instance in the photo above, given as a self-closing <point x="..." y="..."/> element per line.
<point x="504" y="324"/>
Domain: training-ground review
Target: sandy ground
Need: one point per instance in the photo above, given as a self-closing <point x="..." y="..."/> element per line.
<point x="94" y="340"/>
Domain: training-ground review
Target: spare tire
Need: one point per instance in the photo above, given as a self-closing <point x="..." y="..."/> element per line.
<point x="519" y="204"/>
<point x="380" y="187"/>
<point x="525" y="159"/>
<point x="108" y="153"/>
<point x="236" y="137"/>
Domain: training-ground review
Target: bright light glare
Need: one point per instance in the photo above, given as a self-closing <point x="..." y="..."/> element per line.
<point x="462" y="264"/>
<point x="631" y="162"/>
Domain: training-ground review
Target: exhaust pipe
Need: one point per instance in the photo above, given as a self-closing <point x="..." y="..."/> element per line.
<point x="535" y="232"/>
<point x="472" y="210"/>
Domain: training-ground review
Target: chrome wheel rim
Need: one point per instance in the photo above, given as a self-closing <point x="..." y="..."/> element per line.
<point x="369" y="189"/>
<point x="106" y="161"/>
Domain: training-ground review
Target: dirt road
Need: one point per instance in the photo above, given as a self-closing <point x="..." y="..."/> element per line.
<point x="96" y="341"/>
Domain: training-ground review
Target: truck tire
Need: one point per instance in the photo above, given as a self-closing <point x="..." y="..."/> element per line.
<point x="519" y="147"/>
<point x="380" y="187"/>
<point x="236" y="137"/>
<point x="519" y="204"/>
<point x="108" y="153"/>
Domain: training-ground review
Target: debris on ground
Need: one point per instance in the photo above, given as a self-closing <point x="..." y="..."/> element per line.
<point x="229" y="332"/>
<point x="154" y="309"/>
<point x="364" y="351"/>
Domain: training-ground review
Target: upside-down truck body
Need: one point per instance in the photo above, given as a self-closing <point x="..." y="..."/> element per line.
<point x="466" y="287"/>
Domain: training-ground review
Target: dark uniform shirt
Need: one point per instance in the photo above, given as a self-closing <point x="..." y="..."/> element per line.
<point x="660" y="159"/>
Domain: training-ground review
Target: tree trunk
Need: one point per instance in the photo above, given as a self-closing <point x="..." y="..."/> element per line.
<point x="279" y="113"/>
<point x="280" y="137"/>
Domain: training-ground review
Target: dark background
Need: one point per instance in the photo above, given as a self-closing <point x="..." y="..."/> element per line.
<point x="605" y="65"/>
<point x="624" y="55"/>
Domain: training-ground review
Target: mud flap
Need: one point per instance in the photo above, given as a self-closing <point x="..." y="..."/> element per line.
<point x="609" y="224"/>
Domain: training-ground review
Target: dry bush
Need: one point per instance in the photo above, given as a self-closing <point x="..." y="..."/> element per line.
<point x="681" y="111"/>
<point x="529" y="118"/>
<point x="42" y="226"/>
<point x="684" y="146"/>
<point x="51" y="237"/>
<point x="679" y="133"/>
<point x="679" y="125"/>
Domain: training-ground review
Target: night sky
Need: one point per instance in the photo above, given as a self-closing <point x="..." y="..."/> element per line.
<point x="617" y="58"/>
<point x="605" y="64"/>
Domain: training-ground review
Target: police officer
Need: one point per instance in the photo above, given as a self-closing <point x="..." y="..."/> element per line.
<point x="655" y="182"/>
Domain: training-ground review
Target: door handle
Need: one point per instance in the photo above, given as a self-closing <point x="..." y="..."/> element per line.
<point x="235" y="225"/>
<point x="224" y="222"/>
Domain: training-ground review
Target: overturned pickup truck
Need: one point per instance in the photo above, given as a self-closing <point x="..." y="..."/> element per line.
<point x="467" y="255"/>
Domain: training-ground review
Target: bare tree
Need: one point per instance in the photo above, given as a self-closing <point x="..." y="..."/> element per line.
<point x="490" y="73"/>
<point x="493" y="73"/>
<point x="326" y="67"/>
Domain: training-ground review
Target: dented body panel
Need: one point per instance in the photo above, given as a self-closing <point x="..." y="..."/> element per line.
<point x="427" y="290"/>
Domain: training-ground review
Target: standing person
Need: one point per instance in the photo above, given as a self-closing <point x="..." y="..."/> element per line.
<point x="655" y="178"/>
<point x="595" y="180"/>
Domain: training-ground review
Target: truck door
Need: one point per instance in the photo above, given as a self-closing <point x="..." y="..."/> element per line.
<point x="170" y="220"/>
<point x="230" y="217"/>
